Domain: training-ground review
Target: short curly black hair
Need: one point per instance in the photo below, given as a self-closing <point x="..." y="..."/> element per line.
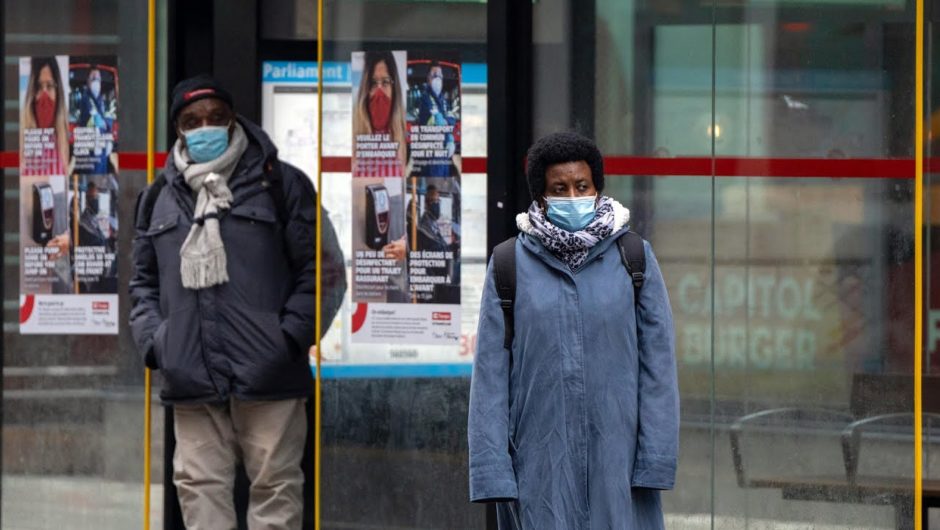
<point x="559" y="148"/>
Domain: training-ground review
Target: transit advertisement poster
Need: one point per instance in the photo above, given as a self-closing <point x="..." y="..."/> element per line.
<point x="406" y="197"/>
<point x="289" y="111"/>
<point x="68" y="195"/>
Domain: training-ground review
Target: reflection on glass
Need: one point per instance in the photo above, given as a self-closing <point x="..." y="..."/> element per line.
<point x="792" y="296"/>
<point x="394" y="449"/>
<point x="72" y="405"/>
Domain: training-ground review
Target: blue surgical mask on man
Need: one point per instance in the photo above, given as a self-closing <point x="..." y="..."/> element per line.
<point x="570" y="213"/>
<point x="205" y="144"/>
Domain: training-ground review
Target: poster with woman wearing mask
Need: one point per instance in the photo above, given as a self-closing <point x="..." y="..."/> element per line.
<point x="68" y="195"/>
<point x="389" y="309"/>
<point x="379" y="86"/>
<point x="44" y="141"/>
<point x="377" y="169"/>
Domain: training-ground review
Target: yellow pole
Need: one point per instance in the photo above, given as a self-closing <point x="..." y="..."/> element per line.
<point x="151" y="97"/>
<point x="918" y="261"/>
<point x="319" y="389"/>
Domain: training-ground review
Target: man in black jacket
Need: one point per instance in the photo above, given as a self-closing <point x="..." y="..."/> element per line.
<point x="224" y="295"/>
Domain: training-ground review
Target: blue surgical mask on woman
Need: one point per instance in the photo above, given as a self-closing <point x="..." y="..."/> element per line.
<point x="570" y="213"/>
<point x="205" y="144"/>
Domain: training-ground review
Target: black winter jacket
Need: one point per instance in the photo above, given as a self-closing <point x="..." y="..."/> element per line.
<point x="249" y="337"/>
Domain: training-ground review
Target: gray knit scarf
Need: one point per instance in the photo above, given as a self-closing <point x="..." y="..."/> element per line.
<point x="572" y="247"/>
<point x="202" y="256"/>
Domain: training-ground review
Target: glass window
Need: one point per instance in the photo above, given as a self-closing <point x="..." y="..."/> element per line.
<point x="394" y="410"/>
<point x="788" y="259"/>
<point x="73" y="403"/>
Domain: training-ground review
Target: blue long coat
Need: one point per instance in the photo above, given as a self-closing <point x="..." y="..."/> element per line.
<point x="580" y="429"/>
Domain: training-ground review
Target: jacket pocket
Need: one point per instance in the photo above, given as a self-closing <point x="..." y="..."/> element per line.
<point x="185" y="373"/>
<point x="261" y="360"/>
<point x="254" y="213"/>
<point x="162" y="225"/>
<point x="256" y="336"/>
<point x="166" y="240"/>
<point x="257" y="265"/>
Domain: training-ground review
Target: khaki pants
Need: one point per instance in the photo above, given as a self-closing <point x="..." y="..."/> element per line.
<point x="268" y="436"/>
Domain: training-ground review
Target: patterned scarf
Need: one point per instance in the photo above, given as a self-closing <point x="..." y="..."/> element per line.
<point x="572" y="247"/>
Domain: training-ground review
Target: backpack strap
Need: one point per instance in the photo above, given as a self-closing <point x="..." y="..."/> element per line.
<point x="504" y="269"/>
<point x="633" y="256"/>
<point x="149" y="199"/>
<point x="274" y="175"/>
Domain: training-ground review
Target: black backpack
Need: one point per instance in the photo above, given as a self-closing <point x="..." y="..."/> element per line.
<point x="632" y="254"/>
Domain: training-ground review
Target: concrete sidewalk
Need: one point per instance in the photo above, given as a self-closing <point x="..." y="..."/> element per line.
<point x="68" y="503"/>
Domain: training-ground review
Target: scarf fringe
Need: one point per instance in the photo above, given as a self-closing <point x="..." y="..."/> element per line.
<point x="199" y="272"/>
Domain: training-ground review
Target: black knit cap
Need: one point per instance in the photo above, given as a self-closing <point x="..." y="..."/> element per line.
<point x="559" y="148"/>
<point x="195" y="88"/>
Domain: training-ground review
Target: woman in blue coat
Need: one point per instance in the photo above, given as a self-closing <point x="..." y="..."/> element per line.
<point x="577" y="426"/>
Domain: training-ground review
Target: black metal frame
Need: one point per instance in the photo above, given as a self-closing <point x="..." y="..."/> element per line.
<point x="235" y="35"/>
<point x="2" y="217"/>
<point x="509" y="114"/>
<point x="509" y="55"/>
<point x="222" y="38"/>
<point x="583" y="44"/>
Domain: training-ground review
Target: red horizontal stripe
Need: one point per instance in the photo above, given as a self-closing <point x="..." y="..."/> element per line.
<point x="343" y="164"/>
<point x="815" y="167"/>
<point x="337" y="164"/>
<point x="634" y="165"/>
<point x="9" y="159"/>
<point x="765" y="167"/>
<point x="474" y="165"/>
<point x="902" y="168"/>
<point x="139" y="160"/>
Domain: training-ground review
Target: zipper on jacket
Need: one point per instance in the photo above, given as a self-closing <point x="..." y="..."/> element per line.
<point x="202" y="338"/>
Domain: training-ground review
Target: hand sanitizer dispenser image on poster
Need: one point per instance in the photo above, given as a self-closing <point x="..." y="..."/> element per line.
<point x="43" y="212"/>
<point x="377" y="216"/>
